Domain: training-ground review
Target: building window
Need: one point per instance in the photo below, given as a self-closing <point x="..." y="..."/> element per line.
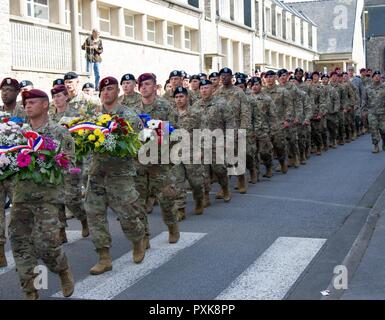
<point x="187" y="39"/>
<point x="151" y="30"/>
<point x="279" y="25"/>
<point x="170" y="35"/>
<point x="38" y="9"/>
<point x="288" y="29"/>
<point x="80" y="13"/>
<point x="105" y="19"/>
<point x="257" y="17"/>
<point x="129" y="24"/>
<point x="232" y="10"/>
<point x="302" y="32"/>
<point x="310" y="36"/>
<point x="293" y="29"/>
<point x="208" y="9"/>
<point x="284" y="35"/>
<point x="268" y="20"/>
<point x="274" y="20"/>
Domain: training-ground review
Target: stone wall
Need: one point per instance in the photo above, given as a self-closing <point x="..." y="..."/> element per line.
<point x="375" y="53"/>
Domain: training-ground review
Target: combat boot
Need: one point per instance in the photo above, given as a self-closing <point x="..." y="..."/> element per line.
<point x="376" y="149"/>
<point x="242" y="184"/>
<point x="334" y="144"/>
<point x="253" y="176"/>
<point x="207" y="202"/>
<point x="219" y="194"/>
<point x="269" y="171"/>
<point x="63" y="236"/>
<point x="146" y="242"/>
<point x="226" y="194"/>
<point x="104" y="264"/>
<point x="138" y="251"/>
<point x="69" y="214"/>
<point x="3" y="259"/>
<point x="85" y="230"/>
<point x="318" y="152"/>
<point x="67" y="282"/>
<point x="181" y="214"/>
<point x="283" y="166"/>
<point x="290" y="162"/>
<point x="33" y="295"/>
<point x="173" y="233"/>
<point x="199" y="207"/>
<point x="296" y="161"/>
<point x="303" y="158"/>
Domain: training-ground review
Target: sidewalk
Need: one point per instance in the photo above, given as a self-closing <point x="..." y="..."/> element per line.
<point x="368" y="282"/>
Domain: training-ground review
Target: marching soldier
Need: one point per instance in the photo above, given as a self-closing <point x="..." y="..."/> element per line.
<point x="215" y="79"/>
<point x="157" y="179"/>
<point x="217" y="114"/>
<point x="73" y="191"/>
<point x="237" y="101"/>
<point x="194" y="88"/>
<point x="111" y="184"/>
<point x="375" y="97"/>
<point x="34" y="226"/>
<point x="190" y="119"/>
<point x="269" y="125"/>
<point x="10" y="89"/>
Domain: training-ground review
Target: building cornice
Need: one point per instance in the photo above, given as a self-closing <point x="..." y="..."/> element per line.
<point x="293" y="44"/>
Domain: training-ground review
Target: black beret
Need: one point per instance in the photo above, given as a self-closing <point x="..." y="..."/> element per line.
<point x="194" y="77"/>
<point x="204" y="83"/>
<point x="240" y="81"/>
<point x="292" y="78"/>
<point x="325" y="75"/>
<point x="127" y="77"/>
<point x="25" y="83"/>
<point x="88" y="85"/>
<point x="175" y="73"/>
<point x="226" y="70"/>
<point x="57" y="82"/>
<point x="70" y="75"/>
<point x="376" y="72"/>
<point x="214" y="75"/>
<point x="255" y="80"/>
<point x="282" y="72"/>
<point x="270" y="73"/>
<point x="298" y="70"/>
<point x="180" y="90"/>
<point x="202" y="75"/>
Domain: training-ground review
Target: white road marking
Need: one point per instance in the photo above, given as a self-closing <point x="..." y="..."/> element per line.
<point x="125" y="272"/>
<point x="272" y="275"/>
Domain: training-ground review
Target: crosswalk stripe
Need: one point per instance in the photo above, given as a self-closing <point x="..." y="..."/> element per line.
<point x="125" y="272"/>
<point x="273" y="274"/>
<point x="72" y="236"/>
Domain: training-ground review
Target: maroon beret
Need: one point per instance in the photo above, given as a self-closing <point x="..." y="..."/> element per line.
<point x="33" y="93"/>
<point x="333" y="73"/>
<point x="106" y="82"/>
<point x="145" y="77"/>
<point x="362" y="70"/>
<point x="59" y="88"/>
<point x="10" y="82"/>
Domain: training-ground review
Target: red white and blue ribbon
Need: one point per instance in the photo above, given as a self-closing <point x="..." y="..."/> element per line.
<point x="112" y="125"/>
<point x="35" y="143"/>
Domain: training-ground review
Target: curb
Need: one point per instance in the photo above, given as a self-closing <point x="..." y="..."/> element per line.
<point x="358" y="249"/>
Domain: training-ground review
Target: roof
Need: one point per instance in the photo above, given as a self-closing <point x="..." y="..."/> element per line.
<point x="294" y="11"/>
<point x="334" y="35"/>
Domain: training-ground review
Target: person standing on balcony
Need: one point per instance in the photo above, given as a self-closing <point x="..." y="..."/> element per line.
<point x="94" y="48"/>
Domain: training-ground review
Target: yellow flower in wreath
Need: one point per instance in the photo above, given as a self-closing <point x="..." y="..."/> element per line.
<point x="104" y="118"/>
<point x="91" y="137"/>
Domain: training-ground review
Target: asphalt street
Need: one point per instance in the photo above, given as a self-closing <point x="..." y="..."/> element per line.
<point x="281" y="240"/>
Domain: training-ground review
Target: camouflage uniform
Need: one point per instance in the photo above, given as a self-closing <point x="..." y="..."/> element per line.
<point x="34" y="226"/>
<point x="189" y="120"/>
<point x="305" y="130"/>
<point x="131" y="100"/>
<point x="111" y="184"/>
<point x="269" y="127"/>
<point x="332" y="109"/>
<point x="6" y="185"/>
<point x="72" y="188"/>
<point x="285" y="112"/>
<point x="159" y="179"/>
<point x="375" y="96"/>
<point x="217" y="114"/>
<point x="367" y="81"/>
<point x="340" y="114"/>
<point x="318" y="120"/>
<point x="351" y="104"/>
<point x="238" y="103"/>
<point x="194" y="96"/>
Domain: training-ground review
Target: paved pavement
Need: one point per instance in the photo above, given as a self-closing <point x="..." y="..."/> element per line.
<point x="282" y="240"/>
